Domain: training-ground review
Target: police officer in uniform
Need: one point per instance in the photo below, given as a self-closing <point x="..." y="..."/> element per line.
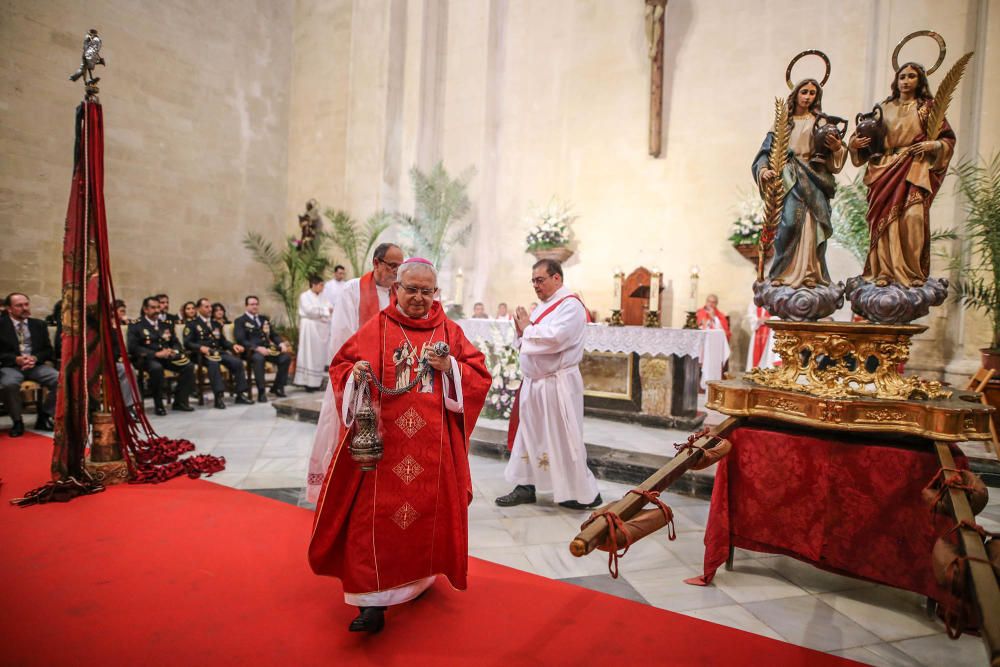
<point x="204" y="341"/>
<point x="154" y="347"/>
<point x="253" y="331"/>
<point x="165" y="314"/>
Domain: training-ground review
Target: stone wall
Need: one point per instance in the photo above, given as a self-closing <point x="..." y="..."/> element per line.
<point x="195" y="98"/>
<point x="228" y="116"/>
<point x="551" y="98"/>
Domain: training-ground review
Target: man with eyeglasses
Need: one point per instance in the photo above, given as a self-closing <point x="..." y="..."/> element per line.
<point x="387" y="533"/>
<point x="359" y="300"/>
<point x="545" y="434"/>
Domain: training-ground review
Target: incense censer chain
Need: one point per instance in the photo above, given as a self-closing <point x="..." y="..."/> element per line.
<point x="366" y="445"/>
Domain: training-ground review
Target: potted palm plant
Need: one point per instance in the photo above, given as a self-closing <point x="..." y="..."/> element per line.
<point x="978" y="278"/>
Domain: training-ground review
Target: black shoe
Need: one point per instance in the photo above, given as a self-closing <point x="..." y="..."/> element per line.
<point x="220" y="402"/>
<point x="160" y="410"/>
<point x="18" y="429"/>
<point x="522" y="493"/>
<point x="243" y="399"/>
<point x="574" y="505"/>
<point x="44" y="423"/>
<point x="182" y="407"/>
<point x="261" y="396"/>
<point x="278" y="391"/>
<point x="310" y="390"/>
<point x="371" y="620"/>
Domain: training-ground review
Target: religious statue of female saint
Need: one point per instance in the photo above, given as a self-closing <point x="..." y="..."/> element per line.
<point x="800" y="239"/>
<point x="903" y="181"/>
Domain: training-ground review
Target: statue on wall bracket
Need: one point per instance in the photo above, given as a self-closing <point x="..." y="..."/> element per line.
<point x="795" y="172"/>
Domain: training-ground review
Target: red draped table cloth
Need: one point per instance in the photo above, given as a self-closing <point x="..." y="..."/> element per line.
<point x="844" y="504"/>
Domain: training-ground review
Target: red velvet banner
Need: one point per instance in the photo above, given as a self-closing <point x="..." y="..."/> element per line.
<point x="845" y="505"/>
<point x="92" y="344"/>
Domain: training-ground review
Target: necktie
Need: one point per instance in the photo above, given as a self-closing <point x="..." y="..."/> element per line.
<point x="20" y="336"/>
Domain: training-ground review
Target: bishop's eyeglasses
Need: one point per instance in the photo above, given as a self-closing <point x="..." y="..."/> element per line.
<point x="429" y="292"/>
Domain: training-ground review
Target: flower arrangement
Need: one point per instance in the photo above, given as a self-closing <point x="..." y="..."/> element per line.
<point x="502" y="361"/>
<point x="747" y="227"/>
<point x="550" y="226"/>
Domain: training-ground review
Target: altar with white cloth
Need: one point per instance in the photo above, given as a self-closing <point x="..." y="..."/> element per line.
<point x="645" y="374"/>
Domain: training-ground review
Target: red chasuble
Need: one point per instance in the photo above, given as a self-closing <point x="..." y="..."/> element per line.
<point x="760" y="336"/>
<point x="408" y="518"/>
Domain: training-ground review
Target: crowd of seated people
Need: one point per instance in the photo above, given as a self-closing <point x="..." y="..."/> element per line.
<point x="171" y="353"/>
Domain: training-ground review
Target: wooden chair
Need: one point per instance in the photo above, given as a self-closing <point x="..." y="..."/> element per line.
<point x="977" y="384"/>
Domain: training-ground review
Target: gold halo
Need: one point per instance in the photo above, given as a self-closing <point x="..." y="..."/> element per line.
<point x="809" y="52"/>
<point x="942" y="49"/>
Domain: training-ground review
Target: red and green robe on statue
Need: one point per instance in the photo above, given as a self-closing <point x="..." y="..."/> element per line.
<point x="388" y="532"/>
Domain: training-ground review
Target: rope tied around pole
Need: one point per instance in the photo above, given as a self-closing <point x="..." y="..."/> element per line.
<point x="617" y="528"/>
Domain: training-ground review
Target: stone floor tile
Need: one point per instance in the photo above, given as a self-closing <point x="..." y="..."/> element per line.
<point x="810" y="578"/>
<point x="808" y="621"/>
<point x="888" y="616"/>
<point x="937" y="650"/>
<point x="489" y="533"/>
<point x="879" y="655"/>
<point x="510" y="556"/>
<point x="618" y="587"/>
<point x="556" y="562"/>
<point x="734" y="616"/>
<point x="272" y="480"/>
<point x="665" y="588"/>
<point x="753" y="581"/>
<point x="540" y="529"/>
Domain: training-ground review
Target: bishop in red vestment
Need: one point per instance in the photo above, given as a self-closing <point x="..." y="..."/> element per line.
<point x="387" y="533"/>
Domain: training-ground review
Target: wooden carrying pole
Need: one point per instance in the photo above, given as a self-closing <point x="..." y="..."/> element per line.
<point x="981" y="576"/>
<point x="597" y="532"/>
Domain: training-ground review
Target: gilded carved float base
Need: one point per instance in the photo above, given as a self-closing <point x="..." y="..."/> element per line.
<point x="845" y="360"/>
<point x="845" y="376"/>
<point x="953" y="419"/>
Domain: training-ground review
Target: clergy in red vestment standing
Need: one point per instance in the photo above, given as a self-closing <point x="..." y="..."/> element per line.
<point x="710" y="317"/>
<point x="387" y="533"/>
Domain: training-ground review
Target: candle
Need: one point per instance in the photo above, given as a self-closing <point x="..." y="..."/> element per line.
<point x="458" y="288"/>
<point x="654" y="291"/>
<point x="618" y="288"/>
<point x="693" y="295"/>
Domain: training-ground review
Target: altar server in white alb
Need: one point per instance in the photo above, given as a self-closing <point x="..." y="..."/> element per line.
<point x="359" y="300"/>
<point x="546" y="429"/>
<point x="334" y="286"/>
<point x="314" y="336"/>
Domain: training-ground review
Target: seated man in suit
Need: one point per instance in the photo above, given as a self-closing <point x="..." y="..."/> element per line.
<point x="24" y="349"/>
<point x="153" y="347"/>
<point x="204" y="341"/>
<point x="254" y="332"/>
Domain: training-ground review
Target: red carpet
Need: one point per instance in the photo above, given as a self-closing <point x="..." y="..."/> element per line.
<point x="192" y="573"/>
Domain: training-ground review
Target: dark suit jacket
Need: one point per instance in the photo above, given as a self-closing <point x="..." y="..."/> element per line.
<point x="145" y="340"/>
<point x="249" y="335"/>
<point x="198" y="333"/>
<point x="41" y="346"/>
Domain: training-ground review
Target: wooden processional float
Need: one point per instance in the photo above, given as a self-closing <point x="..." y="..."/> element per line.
<point x="845" y="377"/>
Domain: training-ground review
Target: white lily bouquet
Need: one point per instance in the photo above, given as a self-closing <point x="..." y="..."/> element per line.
<point x="550" y="226"/>
<point x="502" y="361"/>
